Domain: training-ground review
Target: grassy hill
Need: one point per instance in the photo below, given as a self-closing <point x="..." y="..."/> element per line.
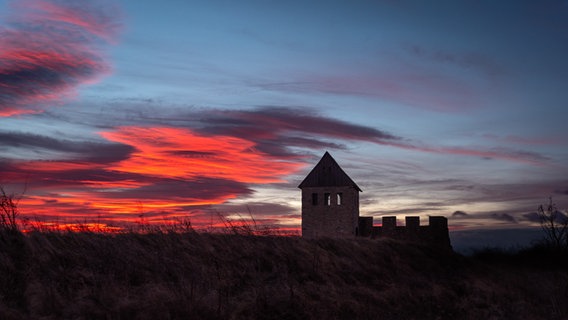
<point x="54" y="275"/>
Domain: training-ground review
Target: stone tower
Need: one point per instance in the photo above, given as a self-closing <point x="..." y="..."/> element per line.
<point x="330" y="201"/>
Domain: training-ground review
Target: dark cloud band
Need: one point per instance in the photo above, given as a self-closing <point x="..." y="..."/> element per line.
<point x="50" y="48"/>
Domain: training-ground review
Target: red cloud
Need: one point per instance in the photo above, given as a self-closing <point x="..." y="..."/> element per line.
<point x="70" y="192"/>
<point x="51" y="48"/>
<point x="182" y="154"/>
<point x="167" y="173"/>
<point x="124" y="202"/>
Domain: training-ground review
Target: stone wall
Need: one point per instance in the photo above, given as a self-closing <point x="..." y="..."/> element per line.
<point x="323" y="218"/>
<point x="436" y="233"/>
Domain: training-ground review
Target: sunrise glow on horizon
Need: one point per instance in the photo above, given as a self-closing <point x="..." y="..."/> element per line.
<point x="116" y="111"/>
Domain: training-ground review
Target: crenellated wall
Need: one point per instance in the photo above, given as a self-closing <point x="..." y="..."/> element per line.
<point x="436" y="233"/>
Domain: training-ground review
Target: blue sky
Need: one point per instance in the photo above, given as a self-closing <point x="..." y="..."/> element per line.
<point x="431" y="107"/>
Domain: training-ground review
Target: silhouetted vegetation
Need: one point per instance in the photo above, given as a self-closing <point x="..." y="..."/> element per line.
<point x="8" y="211"/>
<point x="554" y="224"/>
<point x="172" y="275"/>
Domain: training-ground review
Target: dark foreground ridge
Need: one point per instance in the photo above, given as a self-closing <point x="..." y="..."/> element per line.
<point x="206" y="276"/>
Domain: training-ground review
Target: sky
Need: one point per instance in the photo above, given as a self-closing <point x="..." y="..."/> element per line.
<point x="127" y="111"/>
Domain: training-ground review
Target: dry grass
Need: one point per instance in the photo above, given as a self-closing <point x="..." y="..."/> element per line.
<point x="173" y="275"/>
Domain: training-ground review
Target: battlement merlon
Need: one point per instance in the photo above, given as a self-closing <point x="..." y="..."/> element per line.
<point x="438" y="222"/>
<point x="413" y="222"/>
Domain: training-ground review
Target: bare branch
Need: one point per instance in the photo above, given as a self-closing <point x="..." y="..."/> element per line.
<point x="554" y="224"/>
<point x="9" y="210"/>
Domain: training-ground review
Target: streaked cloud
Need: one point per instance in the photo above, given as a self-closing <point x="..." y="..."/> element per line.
<point x="160" y="172"/>
<point x="183" y="154"/>
<point x="193" y="162"/>
<point x="277" y="129"/>
<point x="68" y="194"/>
<point x="270" y="126"/>
<point x="503" y="217"/>
<point x="558" y="216"/>
<point x="527" y="141"/>
<point x="12" y="143"/>
<point x="49" y="49"/>
<point x="500" y="153"/>
<point x="460" y="218"/>
<point x="470" y="61"/>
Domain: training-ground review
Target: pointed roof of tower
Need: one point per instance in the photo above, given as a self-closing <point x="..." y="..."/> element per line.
<point x="327" y="173"/>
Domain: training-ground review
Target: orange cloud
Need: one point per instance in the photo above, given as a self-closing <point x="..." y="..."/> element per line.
<point x="167" y="173"/>
<point x="74" y="227"/>
<point x="183" y="154"/>
<point x="90" y="204"/>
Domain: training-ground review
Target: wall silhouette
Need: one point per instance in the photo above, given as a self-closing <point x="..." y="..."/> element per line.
<point x="436" y="233"/>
